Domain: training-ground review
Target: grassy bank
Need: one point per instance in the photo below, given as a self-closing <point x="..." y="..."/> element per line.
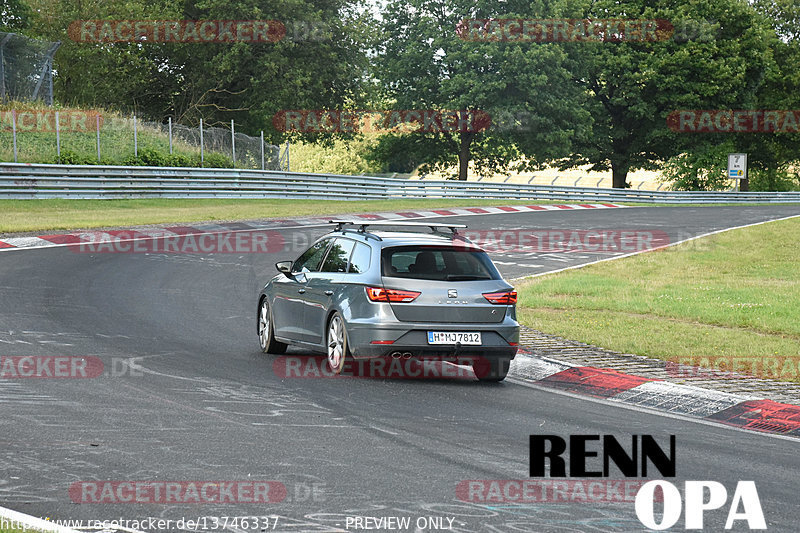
<point x="731" y="298"/>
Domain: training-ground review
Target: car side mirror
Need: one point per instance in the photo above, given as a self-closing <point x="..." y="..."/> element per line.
<point x="285" y="268"/>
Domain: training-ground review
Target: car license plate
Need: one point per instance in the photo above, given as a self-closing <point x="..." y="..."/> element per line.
<point x="452" y="337"/>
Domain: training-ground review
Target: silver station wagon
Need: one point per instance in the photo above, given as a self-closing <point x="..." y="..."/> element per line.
<point x="420" y="290"/>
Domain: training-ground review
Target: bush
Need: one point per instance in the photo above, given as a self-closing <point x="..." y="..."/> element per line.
<point x="339" y="157"/>
<point x="214" y="160"/>
<point x="68" y="157"/>
<point x="178" y="160"/>
<point x="147" y="157"/>
<point x="782" y="179"/>
<point x="150" y="157"/>
<point x="704" y="169"/>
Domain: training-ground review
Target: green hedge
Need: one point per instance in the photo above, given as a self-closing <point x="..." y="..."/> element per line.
<point x="148" y="157"/>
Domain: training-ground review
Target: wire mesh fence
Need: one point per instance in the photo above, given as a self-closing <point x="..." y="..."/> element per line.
<point x="26" y="68"/>
<point x="244" y="151"/>
<point x="89" y="137"/>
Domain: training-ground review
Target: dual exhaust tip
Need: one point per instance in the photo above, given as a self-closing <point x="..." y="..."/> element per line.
<point x="403" y="355"/>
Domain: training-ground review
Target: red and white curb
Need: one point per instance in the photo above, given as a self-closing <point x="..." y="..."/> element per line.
<point x="743" y="412"/>
<point x="67" y="239"/>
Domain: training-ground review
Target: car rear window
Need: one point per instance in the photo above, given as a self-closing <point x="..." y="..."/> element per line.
<point x="437" y="263"/>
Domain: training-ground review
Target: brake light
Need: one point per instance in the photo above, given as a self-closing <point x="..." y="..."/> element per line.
<point x="501" y="298"/>
<point x="379" y="294"/>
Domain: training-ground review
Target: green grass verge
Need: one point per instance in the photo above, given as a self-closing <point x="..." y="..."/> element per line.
<point x="731" y="297"/>
<point x="51" y="215"/>
<point x="17" y="530"/>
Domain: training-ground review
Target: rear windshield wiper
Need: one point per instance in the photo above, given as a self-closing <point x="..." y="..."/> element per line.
<point x="465" y="277"/>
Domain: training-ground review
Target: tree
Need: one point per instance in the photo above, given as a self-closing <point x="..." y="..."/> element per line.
<point x="320" y="62"/>
<point x="772" y="155"/>
<point x="14" y="15"/>
<point x="427" y="62"/>
<point x="123" y="76"/>
<point x="718" y="63"/>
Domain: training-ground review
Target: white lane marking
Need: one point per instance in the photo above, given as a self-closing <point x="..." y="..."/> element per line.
<point x="15" y="392"/>
<point x="573" y="267"/>
<point x="646" y="410"/>
<point x="34" y="523"/>
<point x="133" y="364"/>
<point x="376" y="428"/>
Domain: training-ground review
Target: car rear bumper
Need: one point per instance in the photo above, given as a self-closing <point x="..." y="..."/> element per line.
<point x="370" y="340"/>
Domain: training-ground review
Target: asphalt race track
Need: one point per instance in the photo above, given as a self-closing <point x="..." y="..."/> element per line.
<point x="197" y="400"/>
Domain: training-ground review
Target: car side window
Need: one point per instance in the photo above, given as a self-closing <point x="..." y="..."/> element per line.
<point x="359" y="261"/>
<point x="338" y="255"/>
<point x="311" y="258"/>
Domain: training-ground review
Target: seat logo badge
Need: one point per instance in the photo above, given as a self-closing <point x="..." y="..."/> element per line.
<point x="452" y="293"/>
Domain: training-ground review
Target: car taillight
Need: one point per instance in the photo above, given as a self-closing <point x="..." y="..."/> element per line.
<point x="379" y="294"/>
<point x="501" y="298"/>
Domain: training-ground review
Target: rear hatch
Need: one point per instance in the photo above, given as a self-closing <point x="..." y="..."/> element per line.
<point x="451" y="282"/>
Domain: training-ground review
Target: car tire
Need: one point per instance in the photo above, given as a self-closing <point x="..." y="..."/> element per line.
<point x="491" y="368"/>
<point x="266" y="333"/>
<point x="338" y="349"/>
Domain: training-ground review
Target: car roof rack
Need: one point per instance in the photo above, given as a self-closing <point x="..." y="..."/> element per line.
<point x="362" y="226"/>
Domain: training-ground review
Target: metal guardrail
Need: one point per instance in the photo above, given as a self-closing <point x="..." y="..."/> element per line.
<point x="24" y="181"/>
